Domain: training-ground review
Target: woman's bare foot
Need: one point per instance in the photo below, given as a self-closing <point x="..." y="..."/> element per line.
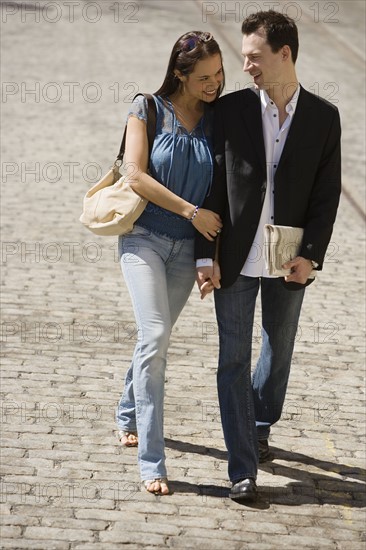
<point x="128" y="439"/>
<point x="157" y="486"/>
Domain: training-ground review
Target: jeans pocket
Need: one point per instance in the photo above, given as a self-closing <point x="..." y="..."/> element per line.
<point x="138" y="234"/>
<point x="139" y="231"/>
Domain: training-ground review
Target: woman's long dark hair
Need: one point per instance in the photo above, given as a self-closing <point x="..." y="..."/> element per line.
<point x="189" y="48"/>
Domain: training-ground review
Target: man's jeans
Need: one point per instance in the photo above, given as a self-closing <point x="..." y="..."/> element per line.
<point x="159" y="273"/>
<point x="248" y="409"/>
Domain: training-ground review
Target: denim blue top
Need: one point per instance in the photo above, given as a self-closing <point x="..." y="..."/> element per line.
<point x="181" y="161"/>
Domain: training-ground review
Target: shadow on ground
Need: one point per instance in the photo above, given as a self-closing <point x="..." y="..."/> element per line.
<point x="344" y="486"/>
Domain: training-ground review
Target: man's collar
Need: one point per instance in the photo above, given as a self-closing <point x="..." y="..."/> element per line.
<point x="266" y="101"/>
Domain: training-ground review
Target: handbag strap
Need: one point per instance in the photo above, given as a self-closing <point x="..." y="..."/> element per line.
<point x="151" y="125"/>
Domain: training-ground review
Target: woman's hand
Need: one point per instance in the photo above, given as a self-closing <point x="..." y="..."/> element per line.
<point x="208" y="223"/>
<point x="208" y="278"/>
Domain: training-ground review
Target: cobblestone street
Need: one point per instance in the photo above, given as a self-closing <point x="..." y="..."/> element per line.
<point x="69" y="72"/>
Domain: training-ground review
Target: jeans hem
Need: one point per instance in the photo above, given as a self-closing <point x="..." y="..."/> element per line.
<point x="147" y="477"/>
<point x="127" y="428"/>
<point x="244" y="476"/>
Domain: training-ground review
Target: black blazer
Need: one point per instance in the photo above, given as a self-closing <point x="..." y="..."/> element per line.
<point x="307" y="182"/>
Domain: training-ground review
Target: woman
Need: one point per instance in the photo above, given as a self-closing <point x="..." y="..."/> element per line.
<point x="157" y="256"/>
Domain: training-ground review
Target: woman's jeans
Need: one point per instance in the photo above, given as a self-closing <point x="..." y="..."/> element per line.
<point x="159" y="273"/>
<point x="250" y="407"/>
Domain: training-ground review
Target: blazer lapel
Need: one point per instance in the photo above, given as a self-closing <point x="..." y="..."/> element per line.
<point x="299" y="122"/>
<point x="252" y="116"/>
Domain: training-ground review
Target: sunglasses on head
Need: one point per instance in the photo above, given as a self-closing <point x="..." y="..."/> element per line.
<point x="190" y="43"/>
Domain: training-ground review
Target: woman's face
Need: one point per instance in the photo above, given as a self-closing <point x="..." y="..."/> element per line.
<point x="204" y="82"/>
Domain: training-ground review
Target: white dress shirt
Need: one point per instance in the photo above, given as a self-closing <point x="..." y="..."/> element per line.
<point x="274" y="142"/>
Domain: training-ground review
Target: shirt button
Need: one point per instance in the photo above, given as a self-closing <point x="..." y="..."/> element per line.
<point x="271" y="217"/>
<point x="274" y="115"/>
<point x="277" y="140"/>
<point x="275" y="166"/>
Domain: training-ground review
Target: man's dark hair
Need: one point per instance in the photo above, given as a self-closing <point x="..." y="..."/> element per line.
<point x="280" y="30"/>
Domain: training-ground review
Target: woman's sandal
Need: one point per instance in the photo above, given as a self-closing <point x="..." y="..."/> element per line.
<point x="128" y="439"/>
<point x="162" y="481"/>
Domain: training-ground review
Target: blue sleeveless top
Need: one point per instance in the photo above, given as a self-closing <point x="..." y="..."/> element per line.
<point x="179" y="160"/>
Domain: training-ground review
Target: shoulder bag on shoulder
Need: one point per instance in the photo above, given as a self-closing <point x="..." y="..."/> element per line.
<point x="111" y="206"/>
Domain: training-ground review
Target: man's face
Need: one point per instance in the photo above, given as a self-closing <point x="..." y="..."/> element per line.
<point x="260" y="62"/>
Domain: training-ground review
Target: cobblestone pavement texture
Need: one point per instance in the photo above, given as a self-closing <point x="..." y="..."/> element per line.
<point x="69" y="72"/>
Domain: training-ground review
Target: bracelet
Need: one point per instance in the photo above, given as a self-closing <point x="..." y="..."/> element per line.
<point x="194" y="214"/>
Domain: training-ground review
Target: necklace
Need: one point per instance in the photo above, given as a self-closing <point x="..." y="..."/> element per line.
<point x="187" y="118"/>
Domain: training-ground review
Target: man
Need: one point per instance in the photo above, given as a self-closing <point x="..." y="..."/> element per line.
<point x="277" y="160"/>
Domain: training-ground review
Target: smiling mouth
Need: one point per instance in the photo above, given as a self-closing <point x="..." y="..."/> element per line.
<point x="211" y="92"/>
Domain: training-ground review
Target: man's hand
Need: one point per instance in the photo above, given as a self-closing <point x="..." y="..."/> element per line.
<point x="300" y="270"/>
<point x="208" y="278"/>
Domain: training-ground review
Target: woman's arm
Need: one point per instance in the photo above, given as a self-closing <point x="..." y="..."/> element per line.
<point x="136" y="163"/>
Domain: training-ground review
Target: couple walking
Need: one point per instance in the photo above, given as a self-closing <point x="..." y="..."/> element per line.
<point x="219" y="170"/>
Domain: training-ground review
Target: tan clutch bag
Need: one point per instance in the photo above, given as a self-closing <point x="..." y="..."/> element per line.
<point x="282" y="244"/>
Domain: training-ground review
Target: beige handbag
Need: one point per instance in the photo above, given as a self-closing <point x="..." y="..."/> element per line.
<point x="111" y="206"/>
<point x="282" y="244"/>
